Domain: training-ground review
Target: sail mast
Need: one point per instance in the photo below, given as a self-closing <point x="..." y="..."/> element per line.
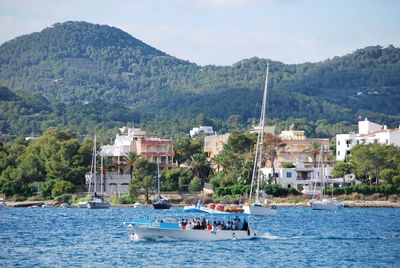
<point x="94" y="163"/>
<point x="262" y="123"/>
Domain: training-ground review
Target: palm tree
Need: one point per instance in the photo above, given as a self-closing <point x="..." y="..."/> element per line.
<point x="314" y="149"/>
<point x="130" y="159"/>
<point x="200" y="165"/>
<point x="272" y="145"/>
<point x="216" y="160"/>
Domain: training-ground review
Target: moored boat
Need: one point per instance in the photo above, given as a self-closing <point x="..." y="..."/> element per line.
<point x="98" y="202"/>
<point x="260" y="206"/>
<point x="162" y="203"/>
<point x="326" y="204"/>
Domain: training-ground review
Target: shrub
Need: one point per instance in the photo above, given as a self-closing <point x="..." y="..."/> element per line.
<point x="18" y="198"/>
<point x="64" y="198"/>
<point x="62" y="187"/>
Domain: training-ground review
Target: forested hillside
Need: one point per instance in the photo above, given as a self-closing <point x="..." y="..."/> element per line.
<point x="89" y="75"/>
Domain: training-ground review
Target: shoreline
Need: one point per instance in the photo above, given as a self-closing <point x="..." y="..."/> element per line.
<point x="347" y="204"/>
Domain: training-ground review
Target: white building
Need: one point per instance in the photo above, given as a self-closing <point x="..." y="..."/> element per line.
<point x="116" y="180"/>
<point x="368" y="132"/>
<point x="206" y="130"/>
<point x="300" y="178"/>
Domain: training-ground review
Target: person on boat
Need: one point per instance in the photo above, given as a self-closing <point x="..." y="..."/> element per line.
<point x="245" y="226"/>
<point x="197" y="225"/>
<point x="190" y="225"/>
<point x="203" y="224"/>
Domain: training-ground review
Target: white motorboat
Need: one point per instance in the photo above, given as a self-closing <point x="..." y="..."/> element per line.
<point x="138" y="205"/>
<point x="173" y="230"/>
<point x="68" y="205"/>
<point x="257" y="207"/>
<point x="83" y="204"/>
<point x="98" y="202"/>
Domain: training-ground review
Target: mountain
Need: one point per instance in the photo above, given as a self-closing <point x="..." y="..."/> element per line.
<point x="74" y="63"/>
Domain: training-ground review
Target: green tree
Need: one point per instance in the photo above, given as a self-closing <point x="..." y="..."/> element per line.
<point x="342" y="168"/>
<point x="62" y="187"/>
<point x="195" y="185"/>
<point x="185" y="148"/>
<point x="143" y="178"/>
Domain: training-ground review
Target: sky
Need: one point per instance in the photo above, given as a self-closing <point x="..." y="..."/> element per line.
<point x="222" y="32"/>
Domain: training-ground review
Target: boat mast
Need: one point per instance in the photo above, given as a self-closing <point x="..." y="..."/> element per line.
<point x="260" y="139"/>
<point x="262" y="123"/>
<point x="94" y="163"/>
<point x="158" y="178"/>
<point x="322" y="173"/>
<point x="101" y="174"/>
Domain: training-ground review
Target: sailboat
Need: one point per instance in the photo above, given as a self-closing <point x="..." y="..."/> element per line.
<point x="323" y="203"/>
<point x="98" y="201"/>
<point x="259" y="208"/>
<point x="160" y="203"/>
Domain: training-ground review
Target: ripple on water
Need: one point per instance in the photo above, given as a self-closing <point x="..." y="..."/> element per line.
<point x="297" y="237"/>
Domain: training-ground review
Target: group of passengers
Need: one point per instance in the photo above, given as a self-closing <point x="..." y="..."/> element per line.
<point x="197" y="224"/>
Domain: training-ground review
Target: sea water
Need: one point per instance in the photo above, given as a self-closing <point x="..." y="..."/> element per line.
<point x="295" y="237"/>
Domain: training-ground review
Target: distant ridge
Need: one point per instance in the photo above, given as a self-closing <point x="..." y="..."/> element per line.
<point x="79" y="62"/>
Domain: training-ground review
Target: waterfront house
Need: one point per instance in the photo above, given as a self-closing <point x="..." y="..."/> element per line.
<point x="368" y="132"/>
<point x="135" y="140"/>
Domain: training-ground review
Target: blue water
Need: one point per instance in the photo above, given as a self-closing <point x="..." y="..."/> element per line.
<point x="296" y="237"/>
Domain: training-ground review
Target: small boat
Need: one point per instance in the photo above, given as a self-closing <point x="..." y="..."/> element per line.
<point x="326" y="204"/>
<point x="175" y="230"/>
<point x="259" y="209"/>
<point x="162" y="203"/>
<point x="67" y="205"/>
<point x="138" y="205"/>
<point x="98" y="202"/>
<point x="82" y="204"/>
<point x="194" y="208"/>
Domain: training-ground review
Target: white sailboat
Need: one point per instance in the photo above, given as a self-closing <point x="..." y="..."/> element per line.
<point x="98" y="201"/>
<point x="161" y="202"/>
<point x="259" y="208"/>
<point x="323" y="203"/>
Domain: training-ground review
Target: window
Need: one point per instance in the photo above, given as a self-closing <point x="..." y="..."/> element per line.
<point x="387" y="141"/>
<point x="289" y="186"/>
<point x="338" y="153"/>
<point x="338" y="143"/>
<point x="288" y="174"/>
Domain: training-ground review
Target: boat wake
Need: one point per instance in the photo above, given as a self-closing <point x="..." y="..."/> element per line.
<point x="269" y="236"/>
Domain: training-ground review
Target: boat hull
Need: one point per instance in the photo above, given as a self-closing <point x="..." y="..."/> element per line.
<point x="162" y="206"/>
<point x="146" y="232"/>
<point x="259" y="210"/>
<point x="98" y="205"/>
<point x="326" y="205"/>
